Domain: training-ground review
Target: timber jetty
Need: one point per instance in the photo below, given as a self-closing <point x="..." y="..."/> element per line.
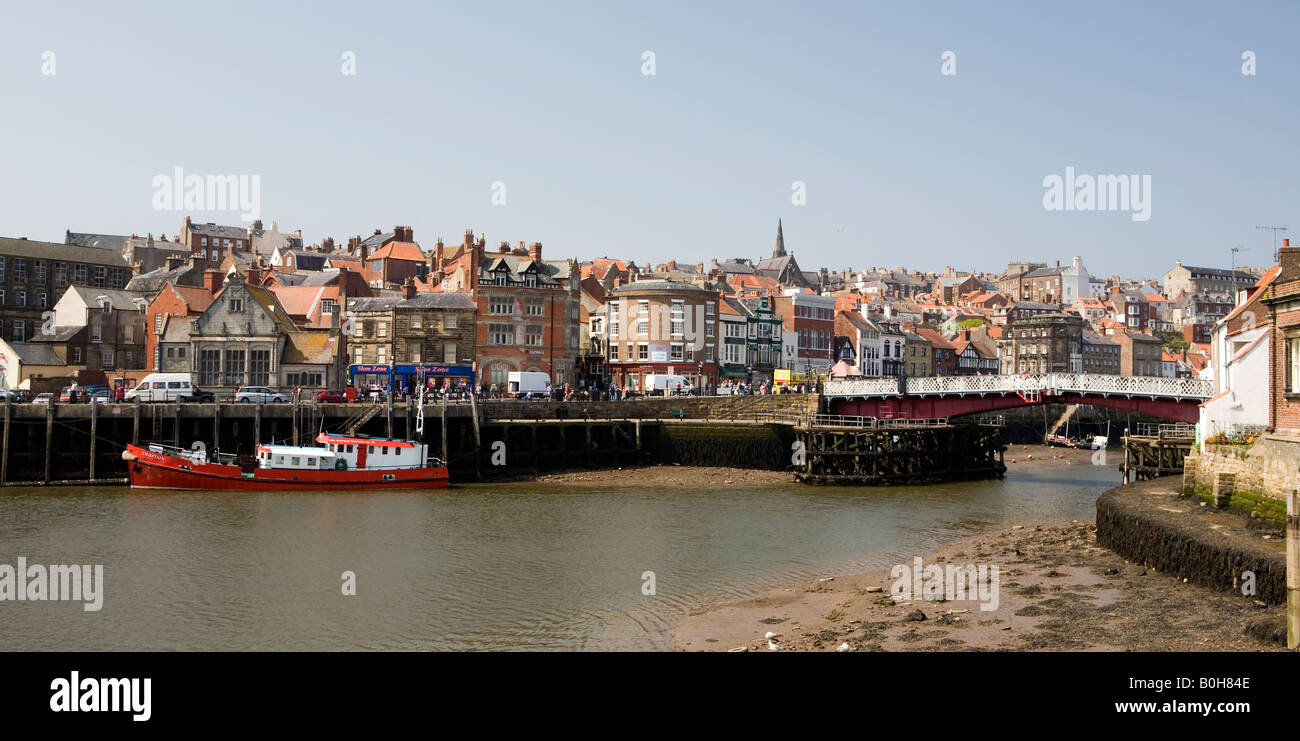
<point x="485" y="440"/>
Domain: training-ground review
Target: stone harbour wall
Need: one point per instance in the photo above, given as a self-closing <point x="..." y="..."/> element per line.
<point x="1148" y="523"/>
<point x="1268" y="469"/>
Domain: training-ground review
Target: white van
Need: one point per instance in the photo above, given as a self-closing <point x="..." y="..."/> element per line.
<point x="665" y="384"/>
<point x="168" y="387"/>
<point x="522" y="383"/>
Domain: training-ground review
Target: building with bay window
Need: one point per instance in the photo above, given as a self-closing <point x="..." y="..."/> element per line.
<point x="659" y="326"/>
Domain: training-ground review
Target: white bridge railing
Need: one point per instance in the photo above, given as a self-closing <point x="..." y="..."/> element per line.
<point x="1042" y="383"/>
<point x="863" y="387"/>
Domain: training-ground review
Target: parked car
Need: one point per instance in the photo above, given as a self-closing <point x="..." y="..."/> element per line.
<point x="102" y="395"/>
<point x="331" y="396"/>
<point x="45" y="398"/>
<point x="168" y="387"/>
<point x="121" y="386"/>
<point x="252" y="394"/>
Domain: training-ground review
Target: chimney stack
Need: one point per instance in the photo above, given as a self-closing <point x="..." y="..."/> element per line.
<point x="353" y="244"/>
<point x="408" y="288"/>
<point x="1289" y="258"/>
<point x="535" y="251"/>
<point x="213" y="280"/>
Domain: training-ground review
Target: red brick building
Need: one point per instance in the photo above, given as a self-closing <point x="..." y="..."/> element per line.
<point x="808" y="321"/>
<point x="213" y="241"/>
<point x="528" y="308"/>
<point x="401" y="258"/>
<point x="1283" y="302"/>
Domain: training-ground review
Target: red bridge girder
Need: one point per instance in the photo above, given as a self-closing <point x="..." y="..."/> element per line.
<point x="935" y="407"/>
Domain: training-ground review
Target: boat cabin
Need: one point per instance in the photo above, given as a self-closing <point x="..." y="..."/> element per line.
<point x="296" y="457"/>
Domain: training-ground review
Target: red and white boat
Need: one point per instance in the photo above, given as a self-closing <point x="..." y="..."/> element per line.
<point x="339" y="462"/>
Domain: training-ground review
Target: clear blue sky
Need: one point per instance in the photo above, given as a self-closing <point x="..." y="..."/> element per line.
<point x="903" y="165"/>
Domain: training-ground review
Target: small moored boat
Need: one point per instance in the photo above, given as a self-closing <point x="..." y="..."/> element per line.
<point x="339" y="462"/>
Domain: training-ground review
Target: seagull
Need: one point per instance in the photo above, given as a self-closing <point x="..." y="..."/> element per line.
<point x="773" y="643"/>
<point x="843" y="647"/>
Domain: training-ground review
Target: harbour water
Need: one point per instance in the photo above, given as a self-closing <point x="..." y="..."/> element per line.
<point x="476" y="567"/>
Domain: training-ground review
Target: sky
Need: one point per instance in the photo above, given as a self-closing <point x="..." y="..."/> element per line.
<point x="537" y="122"/>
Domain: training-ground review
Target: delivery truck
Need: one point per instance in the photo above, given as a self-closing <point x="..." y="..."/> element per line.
<point x="527" y="384"/>
<point x="667" y="384"/>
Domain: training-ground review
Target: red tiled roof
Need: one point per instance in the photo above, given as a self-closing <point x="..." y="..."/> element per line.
<point x="198" y="299"/>
<point x="935" y="338"/>
<point x="1264" y="280"/>
<point x="399" y="251"/>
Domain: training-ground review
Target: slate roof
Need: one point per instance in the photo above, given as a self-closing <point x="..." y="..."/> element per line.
<point x="424" y="300"/>
<point x="549" y="274"/>
<point x="63" y="252"/>
<point x="154" y="280"/>
<point x="308" y="260"/>
<point x="122" y="299"/>
<point x="210" y="229"/>
<point x="113" y="242"/>
<point x="38" y="354"/>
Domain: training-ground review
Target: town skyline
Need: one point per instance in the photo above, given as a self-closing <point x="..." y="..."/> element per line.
<point x="594" y="157"/>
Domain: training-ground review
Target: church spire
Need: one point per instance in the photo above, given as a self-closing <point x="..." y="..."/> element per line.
<point x="780" y="241"/>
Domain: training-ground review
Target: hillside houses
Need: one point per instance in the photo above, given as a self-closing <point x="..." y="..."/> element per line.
<point x="237" y="305"/>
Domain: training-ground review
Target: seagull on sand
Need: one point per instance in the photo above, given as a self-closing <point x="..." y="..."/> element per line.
<point x="773" y="643"/>
<point x="843" y="647"/>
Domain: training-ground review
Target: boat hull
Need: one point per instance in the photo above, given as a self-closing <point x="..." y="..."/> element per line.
<point x="150" y="470"/>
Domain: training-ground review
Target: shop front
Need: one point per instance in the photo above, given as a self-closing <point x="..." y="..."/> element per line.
<point x="407" y="378"/>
